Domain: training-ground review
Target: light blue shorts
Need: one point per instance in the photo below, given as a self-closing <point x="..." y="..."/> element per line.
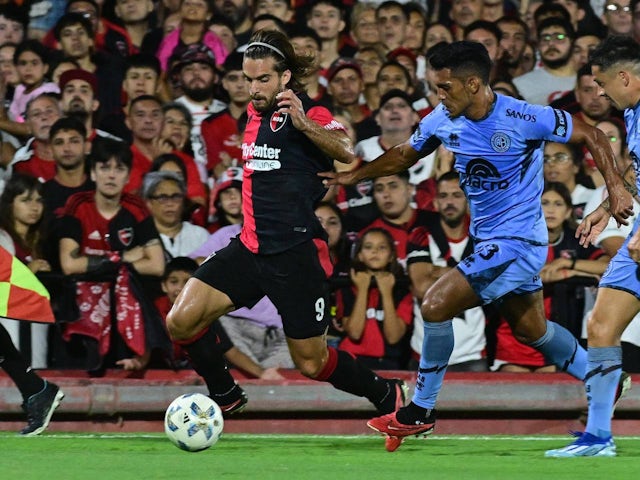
<point x="504" y="266"/>
<point x="623" y="273"/>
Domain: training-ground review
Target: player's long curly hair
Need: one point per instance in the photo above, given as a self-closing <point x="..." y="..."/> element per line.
<point x="298" y="65"/>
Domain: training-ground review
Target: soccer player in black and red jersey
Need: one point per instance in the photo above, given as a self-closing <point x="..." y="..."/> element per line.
<point x="282" y="249"/>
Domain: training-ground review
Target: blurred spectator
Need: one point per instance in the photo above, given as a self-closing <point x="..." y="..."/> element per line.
<point x="563" y="163"/>
<point x="370" y="60"/>
<point x="164" y="194"/>
<point x="583" y="45"/>
<point x="281" y="9"/>
<point x="434" y="249"/>
<point x="617" y="16"/>
<point x="327" y="19"/>
<point x="305" y="41"/>
<point x="135" y="15"/>
<point x="376" y="311"/>
<point x="194" y="17"/>
<point x="145" y="118"/>
<point x="345" y="87"/>
<point x="226" y="200"/>
<point x="557" y="74"/>
<point x="364" y="27"/>
<point x="35" y="157"/>
<point x="141" y="77"/>
<point x="197" y="74"/>
<point x="21" y="211"/>
<point x="239" y="13"/>
<point x="110" y="38"/>
<point x="110" y="235"/>
<point x="76" y="36"/>
<point x="436" y="33"/>
<point x="332" y="220"/>
<point x="222" y="131"/>
<point x="513" y="39"/>
<point x="392" y="20"/>
<point x="463" y="13"/>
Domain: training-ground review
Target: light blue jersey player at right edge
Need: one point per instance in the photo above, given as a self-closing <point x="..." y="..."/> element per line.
<point x="497" y="142"/>
<point x="616" y="67"/>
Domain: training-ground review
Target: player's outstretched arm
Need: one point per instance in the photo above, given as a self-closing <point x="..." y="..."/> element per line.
<point x="392" y="161"/>
<point x="620" y="200"/>
<point x="335" y="143"/>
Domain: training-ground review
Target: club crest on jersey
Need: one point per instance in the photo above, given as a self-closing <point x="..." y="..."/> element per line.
<point x="277" y="121"/>
<point x="125" y="235"/>
<point x="364" y="188"/>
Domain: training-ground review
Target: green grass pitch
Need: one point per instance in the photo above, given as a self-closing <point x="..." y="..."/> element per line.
<point x="54" y="456"/>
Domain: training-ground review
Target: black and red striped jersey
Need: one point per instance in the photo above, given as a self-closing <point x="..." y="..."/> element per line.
<point x="280" y="186"/>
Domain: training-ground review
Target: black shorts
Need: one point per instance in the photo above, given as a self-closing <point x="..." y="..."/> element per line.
<point x="296" y="281"/>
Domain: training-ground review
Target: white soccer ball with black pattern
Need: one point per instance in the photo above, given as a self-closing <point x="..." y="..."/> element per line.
<point x="193" y="422"/>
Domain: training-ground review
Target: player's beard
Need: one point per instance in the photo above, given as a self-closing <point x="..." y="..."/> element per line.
<point x="269" y="103"/>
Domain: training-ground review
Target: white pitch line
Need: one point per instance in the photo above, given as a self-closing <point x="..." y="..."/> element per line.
<point x="301" y="436"/>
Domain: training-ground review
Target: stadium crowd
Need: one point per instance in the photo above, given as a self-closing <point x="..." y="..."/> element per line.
<point x="121" y="153"/>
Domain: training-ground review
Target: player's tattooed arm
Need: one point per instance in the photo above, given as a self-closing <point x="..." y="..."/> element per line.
<point x="629" y="180"/>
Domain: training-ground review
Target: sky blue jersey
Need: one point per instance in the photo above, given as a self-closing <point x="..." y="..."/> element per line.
<point x="499" y="159"/>
<point x="632" y="122"/>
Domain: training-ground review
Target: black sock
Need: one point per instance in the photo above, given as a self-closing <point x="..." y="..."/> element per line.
<point x="17" y="367"/>
<point x="207" y="359"/>
<point x="349" y="375"/>
<point x="413" y="414"/>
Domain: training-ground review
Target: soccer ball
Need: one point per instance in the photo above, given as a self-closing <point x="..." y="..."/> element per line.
<point x="193" y="422"/>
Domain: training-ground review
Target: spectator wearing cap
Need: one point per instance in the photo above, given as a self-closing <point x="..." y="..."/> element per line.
<point x="392" y="20"/>
<point x="197" y="74"/>
<point x="164" y="193"/>
<point x="141" y="77"/>
<point x="222" y="131"/>
<point x="409" y="60"/>
<point x="110" y="38"/>
<point x="345" y="85"/>
<point x="193" y="30"/>
<point x="327" y="18"/>
<point x="226" y="200"/>
<point x="75" y="34"/>
<point x="79" y="90"/>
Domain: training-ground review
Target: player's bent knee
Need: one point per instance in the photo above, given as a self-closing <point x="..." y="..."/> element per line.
<point x="432" y="311"/>
<point x="181" y="326"/>
<point x="310" y="368"/>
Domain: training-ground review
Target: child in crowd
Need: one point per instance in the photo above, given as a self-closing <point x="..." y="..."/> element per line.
<point x="21" y="210"/>
<point x="376" y="311"/>
<point x="176" y="274"/>
<point x="31" y="60"/>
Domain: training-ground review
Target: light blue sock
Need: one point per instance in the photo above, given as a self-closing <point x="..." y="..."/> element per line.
<point x="601" y="382"/>
<point x="437" y="346"/>
<point x="563" y="349"/>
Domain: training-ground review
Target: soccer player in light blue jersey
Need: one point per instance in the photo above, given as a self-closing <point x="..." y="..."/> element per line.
<point x="497" y="142"/>
<point x="616" y="67"/>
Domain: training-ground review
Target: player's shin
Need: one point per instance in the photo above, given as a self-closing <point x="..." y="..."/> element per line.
<point x="208" y="361"/>
<point x="437" y="346"/>
<point x="563" y="349"/>
<point x="601" y="381"/>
